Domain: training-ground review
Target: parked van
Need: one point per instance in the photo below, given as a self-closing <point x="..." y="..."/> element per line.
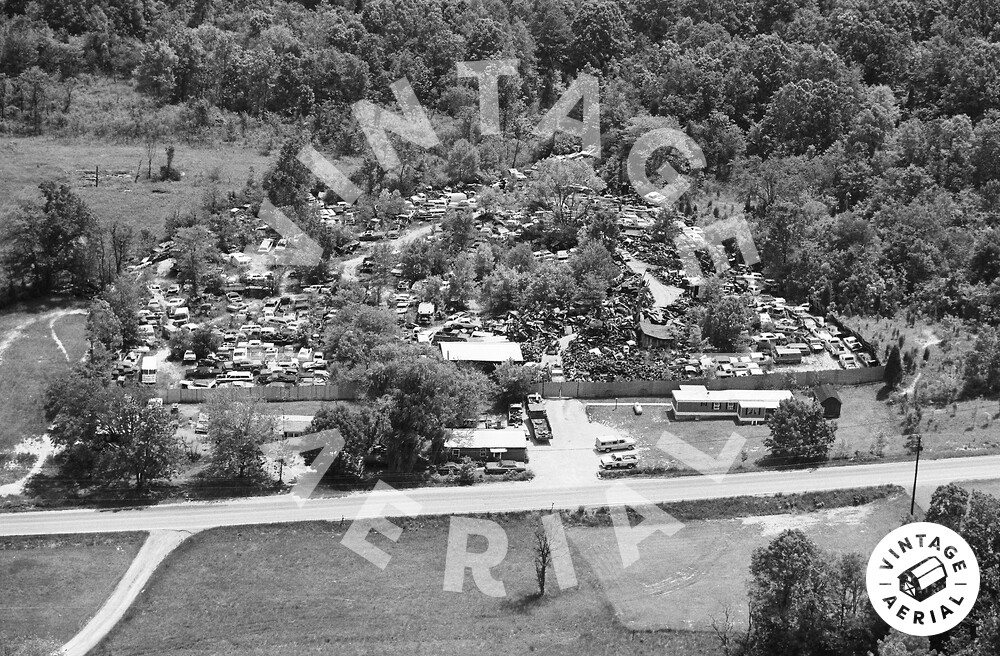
<point x="236" y="377"/>
<point x="609" y="443"/>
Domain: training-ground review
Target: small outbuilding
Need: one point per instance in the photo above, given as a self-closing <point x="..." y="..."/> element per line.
<point x="651" y="335"/>
<point x="827" y="397"/>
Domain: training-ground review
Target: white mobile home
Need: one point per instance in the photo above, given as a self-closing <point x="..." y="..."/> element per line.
<point x="746" y="406"/>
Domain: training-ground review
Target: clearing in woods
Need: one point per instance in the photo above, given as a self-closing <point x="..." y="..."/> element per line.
<point x="26" y="162"/>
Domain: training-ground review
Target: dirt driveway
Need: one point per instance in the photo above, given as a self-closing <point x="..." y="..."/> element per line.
<point x="569" y="459"/>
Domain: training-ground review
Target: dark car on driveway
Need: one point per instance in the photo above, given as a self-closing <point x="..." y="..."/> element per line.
<point x="505" y="466"/>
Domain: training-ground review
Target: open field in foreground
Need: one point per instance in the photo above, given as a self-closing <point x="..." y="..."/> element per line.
<point x="684" y="581"/>
<point x="51" y="586"/>
<point x="296" y="589"/>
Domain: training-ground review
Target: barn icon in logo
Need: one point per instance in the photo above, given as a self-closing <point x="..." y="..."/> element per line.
<point x="923" y="579"/>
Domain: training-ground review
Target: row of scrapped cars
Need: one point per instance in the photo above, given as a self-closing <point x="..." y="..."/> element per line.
<point x="256" y="363"/>
<point x="429" y="203"/>
<point x="265" y="349"/>
<point x="793" y="328"/>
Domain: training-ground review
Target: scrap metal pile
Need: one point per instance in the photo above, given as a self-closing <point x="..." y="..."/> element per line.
<point x="608" y="363"/>
<point x="654" y="253"/>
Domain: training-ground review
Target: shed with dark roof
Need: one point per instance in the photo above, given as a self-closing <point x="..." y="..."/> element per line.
<point x="827" y="397"/>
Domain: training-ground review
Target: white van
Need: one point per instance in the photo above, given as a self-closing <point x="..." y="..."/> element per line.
<point x="237" y="377"/>
<point x="608" y="443"/>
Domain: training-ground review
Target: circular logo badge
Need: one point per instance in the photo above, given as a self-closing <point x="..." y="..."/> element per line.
<point x="923" y="579"/>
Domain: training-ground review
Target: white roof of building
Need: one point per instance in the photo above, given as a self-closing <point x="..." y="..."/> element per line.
<point x="481" y="351"/>
<point x="487" y="438"/>
<point x="701" y="393"/>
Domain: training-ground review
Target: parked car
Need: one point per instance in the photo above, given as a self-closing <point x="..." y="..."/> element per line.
<point x="504" y="466"/>
<point x="849" y="361"/>
<point x="620" y="461"/>
<point x="852" y="343"/>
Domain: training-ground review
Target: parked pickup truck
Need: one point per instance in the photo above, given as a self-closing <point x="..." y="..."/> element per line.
<point x="620" y="461"/>
<point x="504" y="466"/>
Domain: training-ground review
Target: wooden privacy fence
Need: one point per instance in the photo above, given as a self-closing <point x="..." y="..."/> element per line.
<point x="642" y="388"/>
<point x="276" y="394"/>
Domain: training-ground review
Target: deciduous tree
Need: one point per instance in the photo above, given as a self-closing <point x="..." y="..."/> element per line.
<point x="799" y="433"/>
<point x="238" y="425"/>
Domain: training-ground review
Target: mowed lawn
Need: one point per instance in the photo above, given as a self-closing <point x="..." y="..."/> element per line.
<point x="26" y="162"/>
<point x="863" y="417"/>
<point x="31" y="358"/>
<point x="51" y="586"/>
<point x="295" y="589"/>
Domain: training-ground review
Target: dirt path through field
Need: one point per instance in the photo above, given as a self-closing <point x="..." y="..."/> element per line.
<point x="157" y="547"/>
<point x="13" y="334"/>
<point x="55" y="337"/>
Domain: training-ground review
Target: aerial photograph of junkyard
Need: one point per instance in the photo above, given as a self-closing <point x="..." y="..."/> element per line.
<point x="581" y="327"/>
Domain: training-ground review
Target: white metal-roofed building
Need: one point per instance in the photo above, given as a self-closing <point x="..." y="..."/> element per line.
<point x="698" y="402"/>
<point x="492" y="353"/>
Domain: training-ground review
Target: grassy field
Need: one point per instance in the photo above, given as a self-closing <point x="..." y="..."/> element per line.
<point x="25" y="162"/>
<point x="708" y="567"/>
<point x="988" y="487"/>
<point x="32" y="357"/>
<point x="295" y="589"/>
<point x="50" y="586"/>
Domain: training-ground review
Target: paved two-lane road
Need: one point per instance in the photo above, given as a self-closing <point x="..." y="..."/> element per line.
<point x="495" y="497"/>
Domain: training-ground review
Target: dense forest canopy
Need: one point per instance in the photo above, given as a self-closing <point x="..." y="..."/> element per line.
<point x="861" y="138"/>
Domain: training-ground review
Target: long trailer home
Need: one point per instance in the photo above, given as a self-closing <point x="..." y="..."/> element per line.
<point x="746" y="406"/>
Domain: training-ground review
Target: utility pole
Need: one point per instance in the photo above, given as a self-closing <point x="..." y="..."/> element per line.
<point x="916" y="467"/>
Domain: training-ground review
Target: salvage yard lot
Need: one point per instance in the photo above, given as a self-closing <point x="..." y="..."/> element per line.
<point x="295" y="589"/>
<point x="50" y="586"/>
